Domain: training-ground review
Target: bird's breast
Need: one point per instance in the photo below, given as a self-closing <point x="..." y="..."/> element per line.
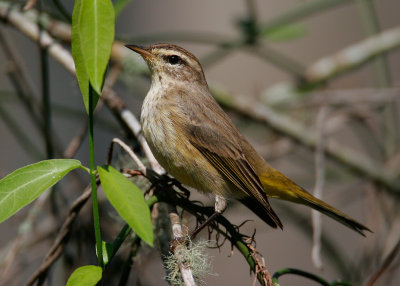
<point x="164" y="124"/>
<point x="162" y="130"/>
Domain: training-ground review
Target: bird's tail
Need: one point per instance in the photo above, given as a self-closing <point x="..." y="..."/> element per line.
<point x="286" y="189"/>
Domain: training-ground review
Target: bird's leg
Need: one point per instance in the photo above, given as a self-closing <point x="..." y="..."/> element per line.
<point x="219" y="208"/>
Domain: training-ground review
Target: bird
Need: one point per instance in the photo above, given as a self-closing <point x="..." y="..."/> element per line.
<point x="196" y="142"/>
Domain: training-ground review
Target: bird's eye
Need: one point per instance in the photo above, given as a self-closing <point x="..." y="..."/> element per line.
<point x="173" y="60"/>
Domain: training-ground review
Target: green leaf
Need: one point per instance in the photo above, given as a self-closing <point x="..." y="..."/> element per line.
<point x="129" y="202"/>
<point x="80" y="66"/>
<point x="22" y="186"/>
<point x="119" y="5"/>
<point x="285" y="33"/>
<point x="96" y="31"/>
<point x="87" y="275"/>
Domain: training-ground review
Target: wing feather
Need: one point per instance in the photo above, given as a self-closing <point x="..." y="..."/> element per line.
<point x="226" y="156"/>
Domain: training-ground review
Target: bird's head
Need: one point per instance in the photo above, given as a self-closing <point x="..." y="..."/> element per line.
<point x="169" y="62"/>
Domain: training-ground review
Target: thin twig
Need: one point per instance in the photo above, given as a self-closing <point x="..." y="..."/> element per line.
<point x="59" y="243"/>
<point x="116" y="105"/>
<point x="75" y="142"/>
<point x="43" y="232"/>
<point x="19" y="79"/>
<point x="124" y="115"/>
<point x="318" y="188"/>
<point x="19" y="133"/>
<point x="278" y="59"/>
<point x="62" y="10"/>
<point x="25" y="232"/>
<point x="45" y="92"/>
<point x="126" y="268"/>
<point x="291" y="128"/>
<point x="352" y="56"/>
<point x="385" y="265"/>
<point x="29" y="4"/>
<point x="260" y="268"/>
<point x="135" y="158"/>
<point x="339" y="63"/>
<point x="380" y="65"/>
<point x="300" y="11"/>
<point x="371" y="96"/>
<point x="10" y="13"/>
<point x="25" y="92"/>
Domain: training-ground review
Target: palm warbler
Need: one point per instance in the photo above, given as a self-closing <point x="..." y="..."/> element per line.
<point x="196" y="142"/>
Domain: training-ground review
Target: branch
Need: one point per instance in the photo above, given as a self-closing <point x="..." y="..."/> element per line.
<point x="59" y="243"/>
<point x="24" y="234"/>
<point x="129" y="120"/>
<point x="168" y="195"/>
<point x="385" y="265"/>
<point x="300" y="11"/>
<point x="17" y="19"/>
<point x="307" y="275"/>
<point x="289" y="127"/>
<point x="352" y="57"/>
<point x="20" y="82"/>
<point x="335" y="65"/>
<point x="19" y="134"/>
<point x="319" y="187"/>
<point x="186" y="271"/>
<point x="177" y="232"/>
<point x="119" y="52"/>
<point x="117" y="106"/>
<point x="134" y="157"/>
<point x="380" y="66"/>
<point x="319" y="72"/>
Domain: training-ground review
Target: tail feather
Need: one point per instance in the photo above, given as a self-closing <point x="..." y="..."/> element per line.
<point x="276" y="185"/>
<point x="334" y="213"/>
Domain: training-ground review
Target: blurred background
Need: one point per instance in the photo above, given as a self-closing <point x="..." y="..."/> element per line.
<point x="314" y="85"/>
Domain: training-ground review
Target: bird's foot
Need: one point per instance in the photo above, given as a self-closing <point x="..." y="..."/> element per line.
<point x="183" y="241"/>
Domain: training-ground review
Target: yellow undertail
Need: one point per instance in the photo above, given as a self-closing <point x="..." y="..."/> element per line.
<point x="276" y="185"/>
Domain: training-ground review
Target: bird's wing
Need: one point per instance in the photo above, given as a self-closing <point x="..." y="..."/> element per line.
<point x="225" y="154"/>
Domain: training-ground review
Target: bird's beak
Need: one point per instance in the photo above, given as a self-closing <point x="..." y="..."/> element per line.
<point x="145" y="53"/>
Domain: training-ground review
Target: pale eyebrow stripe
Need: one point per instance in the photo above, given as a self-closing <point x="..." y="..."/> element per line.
<point x="190" y="59"/>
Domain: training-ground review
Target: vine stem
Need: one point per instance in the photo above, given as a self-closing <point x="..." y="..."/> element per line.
<point x="96" y="220"/>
